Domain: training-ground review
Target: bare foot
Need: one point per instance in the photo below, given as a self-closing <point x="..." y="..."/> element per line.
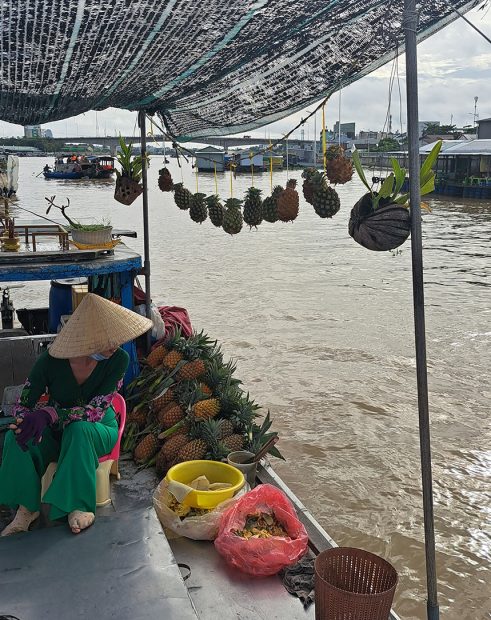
<point x="79" y="520"/>
<point x="21" y="522"/>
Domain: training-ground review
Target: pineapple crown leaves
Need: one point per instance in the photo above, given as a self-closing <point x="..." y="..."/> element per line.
<point x="291" y="183"/>
<point x="198" y="198"/>
<point x="233" y="203"/>
<point x="277" y="191"/>
<point x="390" y="189"/>
<point x="253" y="193"/>
<point x="130" y="166"/>
<point x="212" y="200"/>
<point x="258" y="435"/>
<point x="333" y="152"/>
<point x="308" y="173"/>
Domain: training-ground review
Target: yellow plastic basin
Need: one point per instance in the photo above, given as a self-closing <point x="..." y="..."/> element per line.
<point x="215" y="471"/>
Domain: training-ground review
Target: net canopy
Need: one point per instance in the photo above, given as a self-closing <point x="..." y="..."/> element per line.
<point x="210" y="67"/>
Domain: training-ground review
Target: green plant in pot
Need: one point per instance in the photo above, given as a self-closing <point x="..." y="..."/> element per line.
<point x="128" y="181"/>
<point x="9" y="241"/>
<point x="95" y="235"/>
<point x="381" y="220"/>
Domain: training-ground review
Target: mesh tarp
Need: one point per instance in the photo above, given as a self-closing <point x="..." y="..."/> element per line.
<point x="209" y="66"/>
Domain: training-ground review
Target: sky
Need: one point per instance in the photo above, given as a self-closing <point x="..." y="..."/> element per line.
<point x="454" y="67"/>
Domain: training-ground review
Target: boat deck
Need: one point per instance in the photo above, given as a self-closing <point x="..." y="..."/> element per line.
<point x="125" y="567"/>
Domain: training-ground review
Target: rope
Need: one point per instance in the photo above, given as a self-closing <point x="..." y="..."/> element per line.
<point x="468" y="22"/>
<point x="197" y="174"/>
<point x="271" y="166"/>
<point x="251" y="157"/>
<point x="324" y="143"/>
<point x="287" y="163"/>
<point x="215" y="177"/>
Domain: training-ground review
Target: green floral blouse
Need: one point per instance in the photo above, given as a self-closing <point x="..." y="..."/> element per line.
<point x="67" y="400"/>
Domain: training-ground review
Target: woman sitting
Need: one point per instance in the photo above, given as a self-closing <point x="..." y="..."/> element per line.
<point x="81" y="372"/>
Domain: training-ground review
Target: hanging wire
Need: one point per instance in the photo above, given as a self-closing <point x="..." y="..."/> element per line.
<point x="215" y="177"/>
<point x="251" y="157"/>
<point x="287" y="164"/>
<point x="485" y="36"/>
<point x="271" y="166"/>
<point x="324" y="143"/>
<point x="197" y="174"/>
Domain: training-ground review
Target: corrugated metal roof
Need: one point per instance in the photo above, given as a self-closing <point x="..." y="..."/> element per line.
<point x="461" y="147"/>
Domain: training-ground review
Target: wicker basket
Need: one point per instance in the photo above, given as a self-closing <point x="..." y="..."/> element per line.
<point x="102" y="237"/>
<point x="352" y="584"/>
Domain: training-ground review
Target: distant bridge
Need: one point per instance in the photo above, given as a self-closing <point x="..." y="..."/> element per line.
<point x="112" y="142"/>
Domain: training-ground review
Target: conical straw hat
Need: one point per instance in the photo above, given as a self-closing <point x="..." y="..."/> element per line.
<point x="97" y="325"/>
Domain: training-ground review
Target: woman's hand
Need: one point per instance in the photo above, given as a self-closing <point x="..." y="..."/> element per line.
<point x="31" y="426"/>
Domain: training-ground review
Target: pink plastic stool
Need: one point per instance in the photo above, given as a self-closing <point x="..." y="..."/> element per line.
<point x="108" y="464"/>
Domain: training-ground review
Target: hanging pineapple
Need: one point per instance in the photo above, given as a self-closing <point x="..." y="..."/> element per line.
<point x="215" y="210"/>
<point x="182" y="196"/>
<point x="288" y="202"/>
<point x="253" y="211"/>
<point x="270" y="205"/>
<point x="326" y="200"/>
<point x="165" y="180"/>
<point x="307" y="187"/>
<point x="232" y="219"/>
<point x="339" y="169"/>
<point x="197" y="210"/>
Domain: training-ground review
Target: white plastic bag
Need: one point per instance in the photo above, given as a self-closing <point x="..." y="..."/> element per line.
<point x="203" y="527"/>
<point x="158" y="328"/>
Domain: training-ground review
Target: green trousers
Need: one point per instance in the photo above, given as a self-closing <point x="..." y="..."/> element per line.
<point x="76" y="449"/>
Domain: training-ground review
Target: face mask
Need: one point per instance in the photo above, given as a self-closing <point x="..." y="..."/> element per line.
<point x="98" y="357"/>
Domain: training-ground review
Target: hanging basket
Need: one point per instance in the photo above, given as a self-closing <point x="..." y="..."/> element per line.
<point x="127" y="190"/>
<point x="382" y="229"/>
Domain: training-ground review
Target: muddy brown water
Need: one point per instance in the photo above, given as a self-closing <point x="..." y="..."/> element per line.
<point x="322" y="330"/>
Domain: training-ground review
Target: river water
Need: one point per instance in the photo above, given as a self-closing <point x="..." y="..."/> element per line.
<point x="322" y="330"/>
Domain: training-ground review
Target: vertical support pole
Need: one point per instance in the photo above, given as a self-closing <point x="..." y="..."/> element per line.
<point x="410" y="23"/>
<point x="146" y="235"/>
<point x="126" y="279"/>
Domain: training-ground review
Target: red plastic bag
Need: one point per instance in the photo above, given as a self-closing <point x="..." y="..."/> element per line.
<point x="261" y="556"/>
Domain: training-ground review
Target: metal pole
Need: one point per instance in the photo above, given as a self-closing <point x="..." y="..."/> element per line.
<point x="146" y="237"/>
<point x="410" y="23"/>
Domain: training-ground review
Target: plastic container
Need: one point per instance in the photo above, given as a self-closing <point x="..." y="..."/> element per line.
<point x="60" y="300"/>
<point x="248" y="469"/>
<point x="352" y="583"/>
<point x="215" y="471"/>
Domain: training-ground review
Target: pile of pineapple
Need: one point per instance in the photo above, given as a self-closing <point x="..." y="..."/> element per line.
<point x="187" y="405"/>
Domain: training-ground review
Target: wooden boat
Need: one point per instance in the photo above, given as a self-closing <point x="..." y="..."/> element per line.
<point x="74" y="167"/>
<point x="126" y="566"/>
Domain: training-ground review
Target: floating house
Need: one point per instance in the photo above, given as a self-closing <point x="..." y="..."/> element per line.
<point x="247" y="159"/>
<point x="275" y="158"/>
<point x="210" y="158"/>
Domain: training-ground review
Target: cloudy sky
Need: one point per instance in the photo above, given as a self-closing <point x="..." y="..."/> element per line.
<point x="454" y="67"/>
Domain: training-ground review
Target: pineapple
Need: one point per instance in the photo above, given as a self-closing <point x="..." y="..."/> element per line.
<point x="270" y="205"/>
<point x="155" y="357"/>
<point x="307" y="187"/>
<point x="165" y="180"/>
<point x="232" y="218"/>
<point x="197" y="210"/>
<point x="138" y="417"/>
<point x="253" y="211"/>
<point x="215" y="210"/>
<point x="161" y="401"/>
<point x="161" y="463"/>
<point x="172" y="358"/>
<point x="206" y="409"/>
<point x="226" y="429"/>
<point x="170" y="415"/>
<point x="288" y="202"/>
<point x="146" y="448"/>
<point x="171" y="447"/>
<point x="182" y="196"/>
<point x="205" y="389"/>
<point x="210" y="432"/>
<point x="194" y="450"/>
<point x="234" y="442"/>
<point x="339" y="169"/>
<point x="326" y="200"/>
<point x="192" y="370"/>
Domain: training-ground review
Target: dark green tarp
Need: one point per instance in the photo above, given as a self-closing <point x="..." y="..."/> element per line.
<point x="209" y="66"/>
